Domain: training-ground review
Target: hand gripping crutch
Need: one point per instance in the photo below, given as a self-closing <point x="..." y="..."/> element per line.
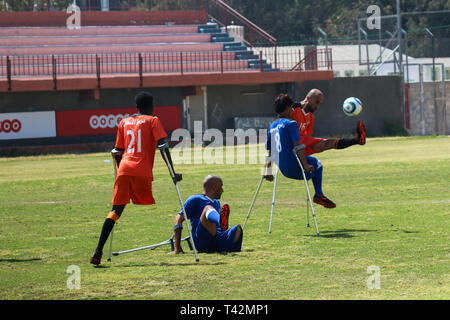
<point x="307" y="190"/>
<point x="273" y="200"/>
<point x="253" y="201"/>
<point x="172" y="174"/>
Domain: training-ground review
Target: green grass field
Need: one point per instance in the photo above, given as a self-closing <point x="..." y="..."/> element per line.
<point x="393" y="210"/>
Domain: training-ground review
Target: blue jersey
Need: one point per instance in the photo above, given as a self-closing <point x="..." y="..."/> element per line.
<point x="280" y="141"/>
<point x="194" y="206"/>
<point x="223" y="241"/>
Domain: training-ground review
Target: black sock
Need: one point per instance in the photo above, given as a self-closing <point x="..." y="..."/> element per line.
<point x="345" y="143"/>
<point x="106" y="230"/>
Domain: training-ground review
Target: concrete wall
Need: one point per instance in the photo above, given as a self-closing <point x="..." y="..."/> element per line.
<point x="227" y="102"/>
<point x="430" y="124"/>
<point x="80" y="100"/>
<point x="381" y="97"/>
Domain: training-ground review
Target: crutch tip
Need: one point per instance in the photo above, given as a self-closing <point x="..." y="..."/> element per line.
<point x="308" y="225"/>
<point x="109" y="260"/>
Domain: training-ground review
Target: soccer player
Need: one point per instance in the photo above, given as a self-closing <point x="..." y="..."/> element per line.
<point x="303" y="113"/>
<point x="209" y="221"/>
<point x="137" y="138"/>
<point x="282" y="137"/>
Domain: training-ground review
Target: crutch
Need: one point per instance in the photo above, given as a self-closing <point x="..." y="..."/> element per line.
<point x="253" y="201"/>
<point x="307" y="211"/>
<point x="172" y="174"/>
<point x="273" y="200"/>
<point x="114" y="152"/>
<point x="307" y="190"/>
<point x="153" y="246"/>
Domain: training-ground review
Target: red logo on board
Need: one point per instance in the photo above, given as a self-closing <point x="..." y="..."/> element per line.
<point x="8" y="126"/>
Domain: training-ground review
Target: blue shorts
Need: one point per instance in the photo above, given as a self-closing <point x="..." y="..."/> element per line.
<point x="292" y="169"/>
<point x="223" y="241"/>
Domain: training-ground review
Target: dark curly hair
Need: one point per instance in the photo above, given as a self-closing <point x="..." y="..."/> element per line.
<point x="282" y="102"/>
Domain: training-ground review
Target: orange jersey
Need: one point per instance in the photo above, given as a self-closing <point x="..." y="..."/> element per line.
<point x="305" y="121"/>
<point x="138" y="136"/>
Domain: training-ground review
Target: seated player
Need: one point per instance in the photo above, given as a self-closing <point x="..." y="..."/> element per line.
<point x="303" y="114"/>
<point x="283" y="136"/>
<point x="209" y="221"/>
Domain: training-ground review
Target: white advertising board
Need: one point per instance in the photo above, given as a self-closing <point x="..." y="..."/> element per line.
<point x="27" y="125"/>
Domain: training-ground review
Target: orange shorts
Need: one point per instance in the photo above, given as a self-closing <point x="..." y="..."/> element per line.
<point x="138" y="189"/>
<point x="309" y="142"/>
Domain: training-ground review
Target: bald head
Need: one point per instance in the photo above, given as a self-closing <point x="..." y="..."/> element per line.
<point x="314" y="93"/>
<point x="313" y="100"/>
<point x="212" y="186"/>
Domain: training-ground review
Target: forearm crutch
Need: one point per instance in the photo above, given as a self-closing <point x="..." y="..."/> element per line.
<point x="253" y="201"/>
<point x="114" y="152"/>
<point x="307" y="190"/>
<point x="163" y="150"/>
<point x="153" y="246"/>
<point x="273" y="200"/>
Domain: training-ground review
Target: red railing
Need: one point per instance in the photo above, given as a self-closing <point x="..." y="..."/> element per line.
<point x="96" y="5"/>
<point x="315" y="59"/>
<point x="54" y="66"/>
<point x="253" y="36"/>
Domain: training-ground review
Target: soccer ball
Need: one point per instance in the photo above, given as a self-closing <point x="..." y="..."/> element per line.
<point x="352" y="106"/>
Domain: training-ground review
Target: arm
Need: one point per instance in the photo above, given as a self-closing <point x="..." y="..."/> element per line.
<point x="298" y="147"/>
<point x="268" y="167"/>
<point x="163" y="147"/>
<point x="117" y="154"/>
<point x="177" y="230"/>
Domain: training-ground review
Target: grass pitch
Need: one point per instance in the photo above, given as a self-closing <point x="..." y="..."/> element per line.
<point x="392" y="214"/>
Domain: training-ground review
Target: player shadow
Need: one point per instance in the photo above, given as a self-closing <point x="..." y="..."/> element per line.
<point x="343" y="233"/>
<point x="20" y="260"/>
<point x="165" y="264"/>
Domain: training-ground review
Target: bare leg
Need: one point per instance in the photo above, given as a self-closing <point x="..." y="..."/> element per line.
<point x="325" y="145"/>
<point x="209" y="225"/>
<point x="238" y="234"/>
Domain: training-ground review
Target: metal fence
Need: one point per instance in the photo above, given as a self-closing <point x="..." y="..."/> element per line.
<point x="98" y="5"/>
<point x="253" y="36"/>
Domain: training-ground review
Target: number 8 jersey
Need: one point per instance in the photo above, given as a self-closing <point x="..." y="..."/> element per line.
<point x="138" y="136"/>
<point x="280" y="142"/>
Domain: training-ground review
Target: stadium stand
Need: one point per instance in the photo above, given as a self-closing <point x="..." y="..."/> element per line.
<point x="188" y="48"/>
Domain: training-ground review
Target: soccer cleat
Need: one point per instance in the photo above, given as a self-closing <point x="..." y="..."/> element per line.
<point x="224" y="214"/>
<point x="361" y="133"/>
<point x="96" y="258"/>
<point x="324" y="201"/>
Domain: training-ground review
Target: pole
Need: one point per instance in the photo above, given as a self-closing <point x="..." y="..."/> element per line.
<point x="433" y="78"/>
<point x="399" y="37"/>
<point x="422" y="100"/>
<point x="326" y="46"/>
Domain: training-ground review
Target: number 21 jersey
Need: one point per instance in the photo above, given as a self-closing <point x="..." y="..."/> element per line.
<point x="138" y="136"/>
